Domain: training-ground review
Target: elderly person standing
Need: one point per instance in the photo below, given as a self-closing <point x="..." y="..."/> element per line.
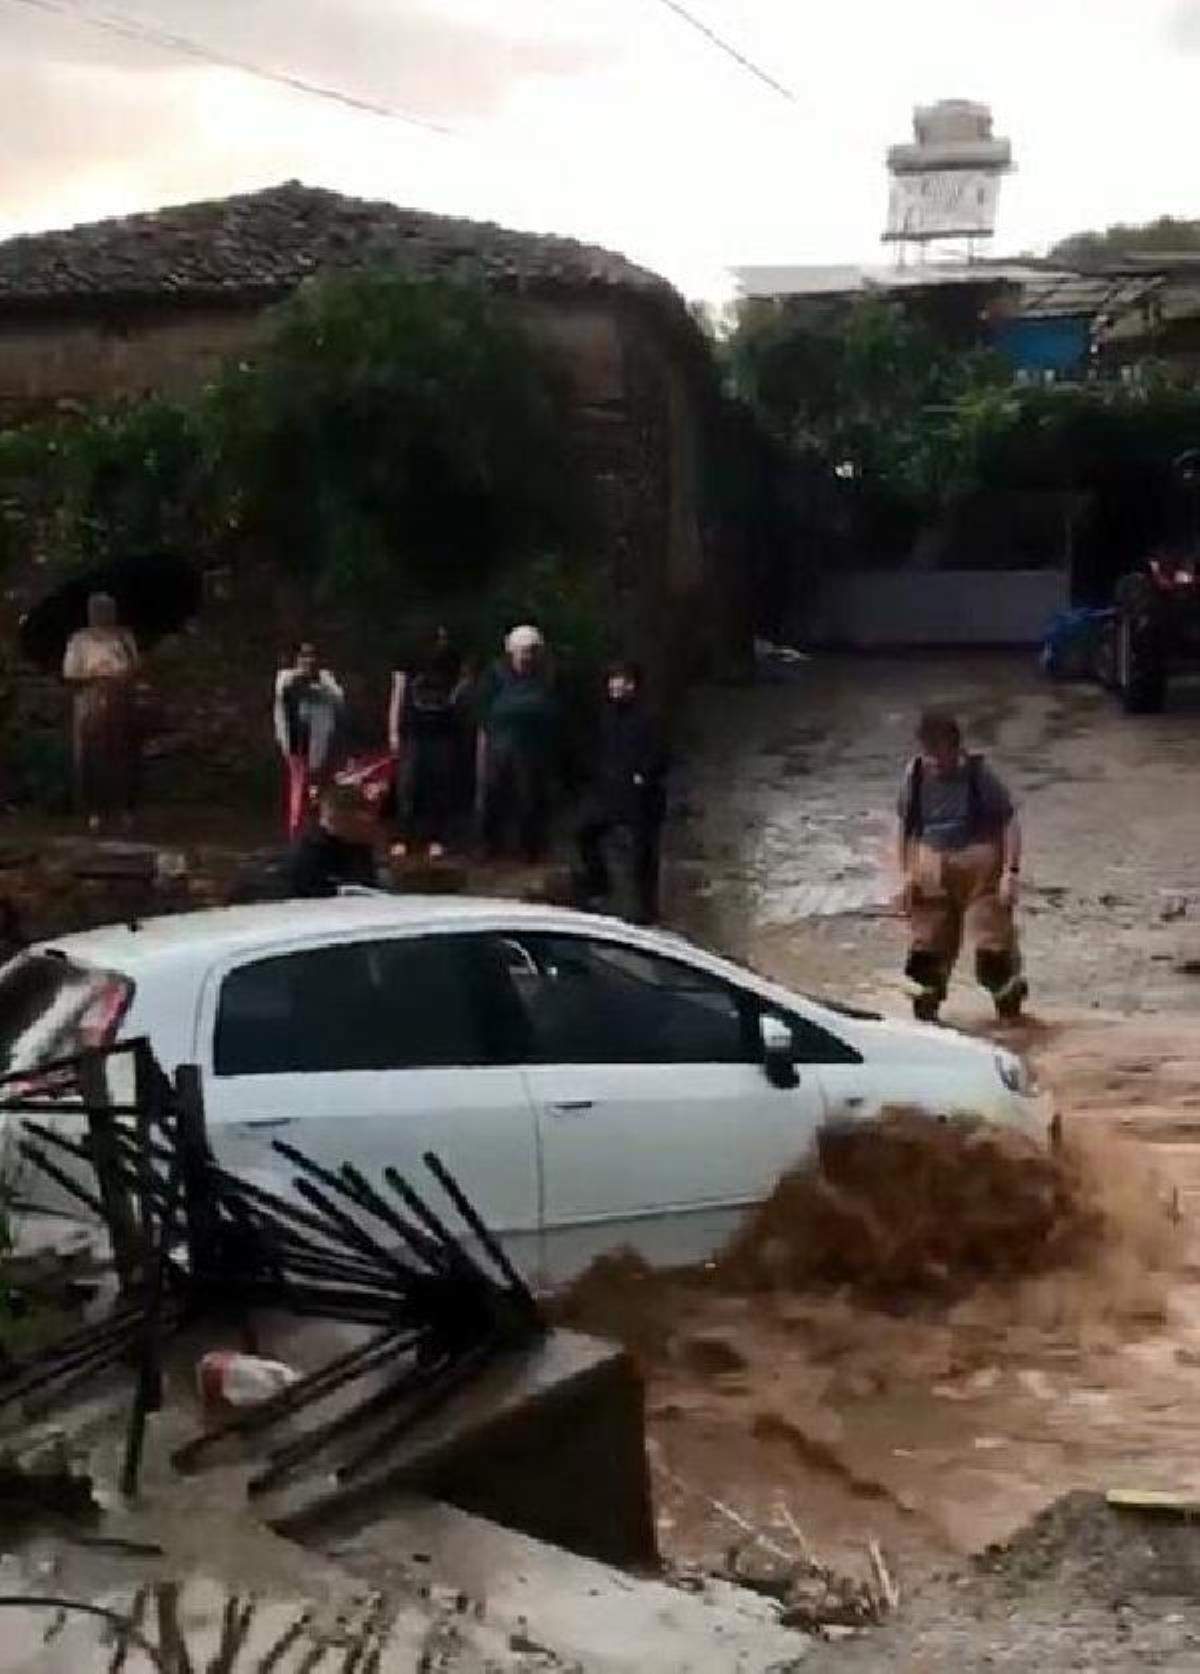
<point x="308" y="709"/>
<point x="100" y="663"/>
<point x="516" y="747"/>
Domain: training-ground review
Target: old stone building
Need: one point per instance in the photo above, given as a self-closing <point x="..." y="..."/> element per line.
<point x="155" y="302"/>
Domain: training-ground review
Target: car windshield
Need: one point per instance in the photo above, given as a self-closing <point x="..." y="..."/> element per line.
<point x="51" y="1008"/>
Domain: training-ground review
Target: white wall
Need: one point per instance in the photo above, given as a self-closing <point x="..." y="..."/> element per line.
<point x="934" y="607"/>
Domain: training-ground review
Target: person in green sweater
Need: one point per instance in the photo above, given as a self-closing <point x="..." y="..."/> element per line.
<point x="516" y="749"/>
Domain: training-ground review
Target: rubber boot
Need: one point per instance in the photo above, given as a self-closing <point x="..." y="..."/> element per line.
<point x="1010" y="999"/>
<point x="926" y="1006"/>
<point x="927" y="971"/>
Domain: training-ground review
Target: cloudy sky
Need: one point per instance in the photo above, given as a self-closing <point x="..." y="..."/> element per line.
<point x="607" y="119"/>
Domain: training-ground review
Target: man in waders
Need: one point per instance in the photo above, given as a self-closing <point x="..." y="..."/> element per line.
<point x="960" y="858"/>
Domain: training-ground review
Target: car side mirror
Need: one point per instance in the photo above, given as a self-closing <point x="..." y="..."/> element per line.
<point x="778" y="1050"/>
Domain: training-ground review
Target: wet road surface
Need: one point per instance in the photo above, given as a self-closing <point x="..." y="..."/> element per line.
<point x="786" y="826"/>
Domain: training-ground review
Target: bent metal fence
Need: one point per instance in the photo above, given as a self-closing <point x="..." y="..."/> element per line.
<point x="191" y="1242"/>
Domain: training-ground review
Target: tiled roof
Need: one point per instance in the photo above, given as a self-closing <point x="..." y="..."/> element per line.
<point x="264" y="243"/>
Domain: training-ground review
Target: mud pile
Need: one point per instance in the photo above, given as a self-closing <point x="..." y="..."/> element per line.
<point x="1081" y="1544"/>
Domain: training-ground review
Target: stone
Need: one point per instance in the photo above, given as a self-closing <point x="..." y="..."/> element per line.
<point x="709" y="1355"/>
<point x="41" y="1470"/>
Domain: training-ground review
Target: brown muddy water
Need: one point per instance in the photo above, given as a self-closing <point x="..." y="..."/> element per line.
<point x="929" y="1353"/>
<point x="936" y="1395"/>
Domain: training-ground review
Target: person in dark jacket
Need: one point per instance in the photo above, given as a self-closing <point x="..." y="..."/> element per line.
<point x="623" y="813"/>
<point x="339" y="849"/>
<point x="425" y="728"/>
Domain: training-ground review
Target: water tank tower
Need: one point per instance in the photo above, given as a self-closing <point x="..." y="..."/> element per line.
<point x="945" y="183"/>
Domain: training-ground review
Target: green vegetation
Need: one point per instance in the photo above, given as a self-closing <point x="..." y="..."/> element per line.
<point x="906" y="431"/>
<point x="1165" y="236"/>
<point x="388" y="435"/>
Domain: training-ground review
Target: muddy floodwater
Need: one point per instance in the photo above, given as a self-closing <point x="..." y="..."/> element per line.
<point x="939" y="1423"/>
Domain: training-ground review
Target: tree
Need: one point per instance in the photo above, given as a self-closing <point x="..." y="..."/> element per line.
<point x="874" y="397"/>
<point x="391" y="431"/>
<point x="1166" y="235"/>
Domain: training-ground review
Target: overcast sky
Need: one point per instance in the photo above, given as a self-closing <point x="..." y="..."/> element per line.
<point x="608" y="119"/>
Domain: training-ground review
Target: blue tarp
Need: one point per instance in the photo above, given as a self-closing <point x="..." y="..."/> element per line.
<point x="1054" y="345"/>
<point x="1070" y="643"/>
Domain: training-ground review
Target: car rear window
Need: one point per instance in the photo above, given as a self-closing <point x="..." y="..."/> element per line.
<point x="51" y="1008"/>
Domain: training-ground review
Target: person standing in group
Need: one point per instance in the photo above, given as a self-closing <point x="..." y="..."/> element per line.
<point x="425" y="736"/>
<point x="625" y="806"/>
<point x="100" y="663"/>
<point x="960" y="858"/>
<point x="339" y="848"/>
<point x="308" y="709"/>
<point x="516" y="747"/>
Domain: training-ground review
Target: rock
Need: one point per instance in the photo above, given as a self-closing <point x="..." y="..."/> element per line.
<point x="41" y="1471"/>
<point x="761" y="1571"/>
<point x="1174" y="908"/>
<point x="709" y="1355"/>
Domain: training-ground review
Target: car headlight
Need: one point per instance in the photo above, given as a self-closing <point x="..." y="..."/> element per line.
<point x="1015" y="1073"/>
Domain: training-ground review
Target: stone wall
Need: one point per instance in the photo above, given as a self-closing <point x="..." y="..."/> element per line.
<point x="47" y="360"/>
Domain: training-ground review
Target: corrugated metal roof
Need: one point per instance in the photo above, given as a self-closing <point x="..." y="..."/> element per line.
<point x="1041" y="292"/>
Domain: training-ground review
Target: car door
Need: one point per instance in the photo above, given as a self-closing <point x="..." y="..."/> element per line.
<point x="656" y="1123"/>
<point x="374" y="1052"/>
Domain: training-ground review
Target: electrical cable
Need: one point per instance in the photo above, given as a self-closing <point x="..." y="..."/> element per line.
<point x="729" y="49"/>
<point x="135" y="29"/>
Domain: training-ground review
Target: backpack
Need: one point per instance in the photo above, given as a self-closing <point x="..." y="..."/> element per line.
<point x="914" y="823"/>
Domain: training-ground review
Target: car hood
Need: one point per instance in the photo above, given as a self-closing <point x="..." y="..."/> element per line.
<point x="920" y="1043"/>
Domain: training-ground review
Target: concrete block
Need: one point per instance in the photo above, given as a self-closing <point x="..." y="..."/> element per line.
<point x="548" y="1440"/>
<point x="576" y="1612"/>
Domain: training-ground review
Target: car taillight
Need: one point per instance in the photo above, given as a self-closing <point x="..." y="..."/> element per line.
<point x="101" y="1017"/>
<point x="46" y="1084"/>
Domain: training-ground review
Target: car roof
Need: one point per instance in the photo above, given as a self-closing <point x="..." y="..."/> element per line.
<point x="220" y="931"/>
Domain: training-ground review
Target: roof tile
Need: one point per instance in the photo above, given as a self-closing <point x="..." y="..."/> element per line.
<point x="273" y="239"/>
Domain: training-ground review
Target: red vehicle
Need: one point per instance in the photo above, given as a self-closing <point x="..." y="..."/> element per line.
<point x="1156" y="621"/>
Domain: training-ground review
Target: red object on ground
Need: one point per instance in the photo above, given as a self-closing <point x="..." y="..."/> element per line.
<point x="240" y="1380"/>
<point x="373" y="776"/>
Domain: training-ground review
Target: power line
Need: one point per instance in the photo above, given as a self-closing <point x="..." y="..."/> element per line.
<point x="729" y="49"/>
<point x="134" y="29"/>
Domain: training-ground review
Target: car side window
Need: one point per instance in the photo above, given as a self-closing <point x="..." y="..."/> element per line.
<point x="409" y="1003"/>
<point x="596" y="1002"/>
<point x="813" y="1044"/>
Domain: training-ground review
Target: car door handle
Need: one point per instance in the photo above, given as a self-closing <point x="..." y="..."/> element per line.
<point x="271" y="1122"/>
<point x="571" y="1107"/>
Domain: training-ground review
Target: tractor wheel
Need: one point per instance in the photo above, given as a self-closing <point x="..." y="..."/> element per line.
<point x="1141" y="665"/>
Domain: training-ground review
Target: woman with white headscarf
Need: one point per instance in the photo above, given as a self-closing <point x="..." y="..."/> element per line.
<point x="100" y="664"/>
<point x="517" y="744"/>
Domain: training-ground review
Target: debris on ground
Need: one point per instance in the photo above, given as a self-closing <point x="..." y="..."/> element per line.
<point x="42" y="1472"/>
<point x="193" y="1243"/>
<point x="225" y="1378"/>
<point x="1082" y="1585"/>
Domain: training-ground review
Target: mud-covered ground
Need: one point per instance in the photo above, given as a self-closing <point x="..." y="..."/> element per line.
<point x="786" y="823"/>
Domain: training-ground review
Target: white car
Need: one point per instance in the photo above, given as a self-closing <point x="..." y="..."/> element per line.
<point x="592" y="1085"/>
